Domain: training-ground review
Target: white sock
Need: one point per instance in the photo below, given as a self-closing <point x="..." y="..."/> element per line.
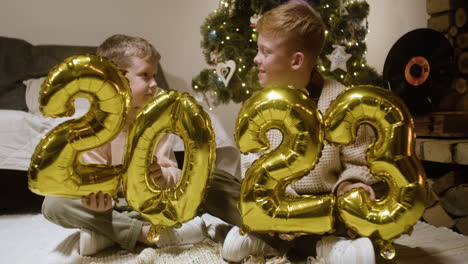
<point x="237" y="247"/>
<point x="92" y="242"/>
<point x="190" y="232"/>
<point x="339" y="250"/>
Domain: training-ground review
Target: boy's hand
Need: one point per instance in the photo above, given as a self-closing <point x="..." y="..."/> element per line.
<point x="347" y="186"/>
<point x="99" y="202"/>
<point x="155" y="173"/>
<point x="286" y="237"/>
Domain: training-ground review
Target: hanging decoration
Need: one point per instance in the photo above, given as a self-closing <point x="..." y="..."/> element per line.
<point x="225" y="71"/>
<point x="254" y="19"/>
<point x="214" y="56"/>
<point x="338" y="58"/>
<point x="343" y="11"/>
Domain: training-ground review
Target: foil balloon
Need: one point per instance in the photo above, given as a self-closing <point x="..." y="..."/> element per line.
<point x="180" y="114"/>
<point x="55" y="167"/>
<point x="391" y="158"/>
<point x="264" y="205"/>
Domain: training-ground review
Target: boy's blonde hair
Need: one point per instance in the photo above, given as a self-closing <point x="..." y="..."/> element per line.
<point x="299" y="24"/>
<point x="121" y="48"/>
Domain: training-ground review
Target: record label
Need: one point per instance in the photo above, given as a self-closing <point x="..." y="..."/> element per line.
<point x="417" y="71"/>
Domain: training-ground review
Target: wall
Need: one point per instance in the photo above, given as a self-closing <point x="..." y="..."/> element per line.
<point x="173" y="28"/>
<point x="388" y="21"/>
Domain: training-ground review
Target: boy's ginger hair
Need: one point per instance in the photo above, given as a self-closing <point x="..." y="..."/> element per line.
<point x="121" y="48"/>
<point x="299" y="24"/>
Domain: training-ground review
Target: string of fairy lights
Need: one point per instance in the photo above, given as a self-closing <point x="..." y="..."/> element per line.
<point x="229" y="46"/>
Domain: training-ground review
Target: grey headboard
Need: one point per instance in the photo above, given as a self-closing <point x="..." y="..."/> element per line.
<point x="20" y="60"/>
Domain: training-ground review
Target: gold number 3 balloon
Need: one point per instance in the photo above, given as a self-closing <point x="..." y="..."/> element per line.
<point x="391" y="157"/>
<point x="55" y="167"/>
<point x="180" y="114"/>
<point x="263" y="204"/>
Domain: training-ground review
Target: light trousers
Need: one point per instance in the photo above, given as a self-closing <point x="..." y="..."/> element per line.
<point x="123" y="225"/>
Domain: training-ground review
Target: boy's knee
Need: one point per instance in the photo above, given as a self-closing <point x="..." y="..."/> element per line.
<point x="54" y="207"/>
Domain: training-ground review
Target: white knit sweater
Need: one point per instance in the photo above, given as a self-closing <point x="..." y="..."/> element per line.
<point x="337" y="163"/>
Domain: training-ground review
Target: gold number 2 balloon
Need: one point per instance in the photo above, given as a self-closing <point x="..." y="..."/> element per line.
<point x="180" y="114"/>
<point x="391" y="157"/>
<point x="263" y="205"/>
<point x="55" y="167"/>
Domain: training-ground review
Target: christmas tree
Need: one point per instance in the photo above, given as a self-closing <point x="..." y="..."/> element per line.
<point x="229" y="46"/>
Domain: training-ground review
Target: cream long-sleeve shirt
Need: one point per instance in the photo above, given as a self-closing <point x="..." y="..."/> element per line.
<point x="112" y="154"/>
<point x="337" y="163"/>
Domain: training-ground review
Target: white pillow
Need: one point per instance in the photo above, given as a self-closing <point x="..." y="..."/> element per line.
<point x="33" y="87"/>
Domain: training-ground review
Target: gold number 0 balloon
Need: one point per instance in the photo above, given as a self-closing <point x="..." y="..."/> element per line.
<point x="180" y="114"/>
<point x="55" y="168"/>
<point x="263" y="205"/>
<point x="391" y="157"/>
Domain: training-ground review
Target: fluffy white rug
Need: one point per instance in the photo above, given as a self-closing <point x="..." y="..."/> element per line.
<point x="30" y="238"/>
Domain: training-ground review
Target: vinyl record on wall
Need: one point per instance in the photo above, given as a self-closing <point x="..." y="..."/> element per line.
<point x="419" y="68"/>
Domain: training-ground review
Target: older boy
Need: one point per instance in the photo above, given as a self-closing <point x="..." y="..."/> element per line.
<point x="290" y="39"/>
<point x="100" y="223"/>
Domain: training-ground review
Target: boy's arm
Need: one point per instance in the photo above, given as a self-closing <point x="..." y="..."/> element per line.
<point x="99" y="202"/>
<point x="356" y="172"/>
<point x="165" y="158"/>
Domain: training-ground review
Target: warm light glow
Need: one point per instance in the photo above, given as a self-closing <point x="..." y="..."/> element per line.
<point x="273" y="95"/>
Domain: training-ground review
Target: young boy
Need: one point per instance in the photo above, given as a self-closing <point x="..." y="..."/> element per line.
<point x="290" y="39"/>
<point x="102" y="223"/>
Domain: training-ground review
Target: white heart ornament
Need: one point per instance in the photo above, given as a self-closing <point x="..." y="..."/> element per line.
<point x="225" y="71"/>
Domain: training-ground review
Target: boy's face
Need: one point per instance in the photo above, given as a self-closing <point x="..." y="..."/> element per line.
<point x="141" y="76"/>
<point x="273" y="61"/>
